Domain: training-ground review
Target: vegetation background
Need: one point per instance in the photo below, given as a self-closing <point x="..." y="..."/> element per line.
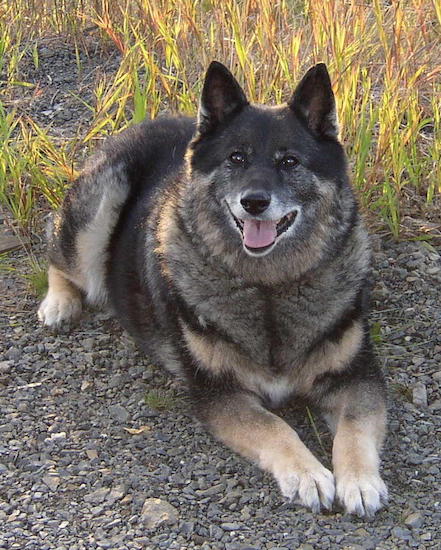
<point x="383" y="56"/>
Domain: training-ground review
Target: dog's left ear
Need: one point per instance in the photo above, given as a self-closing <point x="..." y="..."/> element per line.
<point x="222" y="98"/>
<point x="313" y="101"/>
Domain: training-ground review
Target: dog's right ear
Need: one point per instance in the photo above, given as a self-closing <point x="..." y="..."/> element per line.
<point x="222" y="98"/>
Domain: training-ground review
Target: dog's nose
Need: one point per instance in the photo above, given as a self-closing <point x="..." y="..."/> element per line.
<point x="255" y="202"/>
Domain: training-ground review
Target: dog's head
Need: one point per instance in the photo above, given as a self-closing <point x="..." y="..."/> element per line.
<point x="270" y="181"/>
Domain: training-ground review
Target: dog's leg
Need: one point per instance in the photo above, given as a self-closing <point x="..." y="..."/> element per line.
<point x="78" y="240"/>
<point x="359" y="422"/>
<point x="242" y="423"/>
<point x="62" y="302"/>
<point x="356" y="462"/>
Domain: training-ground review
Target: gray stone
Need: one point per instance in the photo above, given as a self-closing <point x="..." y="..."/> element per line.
<point x="414" y="520"/>
<point x="14" y="354"/>
<point x="117" y="493"/>
<point x="119" y="413"/>
<point x="156" y="512"/>
<point x="419" y="395"/>
<point x="51" y="481"/>
<point x="88" y="343"/>
<point x="98" y="496"/>
<point x="5" y="366"/>
<point x="229" y="526"/>
<point x="401" y="533"/>
<point x="187" y="527"/>
<point x="436" y="405"/>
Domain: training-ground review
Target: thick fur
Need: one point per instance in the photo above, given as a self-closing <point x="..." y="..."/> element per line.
<point x="155" y="227"/>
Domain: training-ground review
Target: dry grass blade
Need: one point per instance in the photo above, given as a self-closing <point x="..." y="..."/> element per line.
<point x="383" y="59"/>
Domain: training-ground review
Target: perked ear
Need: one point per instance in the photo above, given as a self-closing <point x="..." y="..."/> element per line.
<point x="222" y="98"/>
<point x="313" y="101"/>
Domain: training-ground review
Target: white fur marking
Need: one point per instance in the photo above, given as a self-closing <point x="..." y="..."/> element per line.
<point x="275" y="389"/>
<point x="93" y="241"/>
<point x="361" y="494"/>
<point x="59" y="307"/>
<point x="313" y="487"/>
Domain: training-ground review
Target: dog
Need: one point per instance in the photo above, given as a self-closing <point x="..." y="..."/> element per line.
<point x="231" y="248"/>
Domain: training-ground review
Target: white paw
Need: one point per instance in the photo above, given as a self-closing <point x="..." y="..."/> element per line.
<point x="362" y="495"/>
<point x="58" y="308"/>
<point x="312" y="488"/>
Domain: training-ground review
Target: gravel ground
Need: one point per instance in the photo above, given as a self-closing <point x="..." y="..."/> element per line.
<point x="98" y="448"/>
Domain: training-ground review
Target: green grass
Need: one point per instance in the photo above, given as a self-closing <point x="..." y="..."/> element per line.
<point x="383" y="59"/>
<point x="160" y="400"/>
<point x="311" y="420"/>
<point x="37" y="278"/>
<point x="376" y="334"/>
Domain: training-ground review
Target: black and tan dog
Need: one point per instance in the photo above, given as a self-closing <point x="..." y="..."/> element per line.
<point x="232" y="250"/>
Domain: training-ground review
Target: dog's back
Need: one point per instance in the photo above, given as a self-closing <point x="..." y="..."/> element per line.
<point x="114" y="183"/>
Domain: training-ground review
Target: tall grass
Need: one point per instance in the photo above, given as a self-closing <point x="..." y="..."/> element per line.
<point x="383" y="58"/>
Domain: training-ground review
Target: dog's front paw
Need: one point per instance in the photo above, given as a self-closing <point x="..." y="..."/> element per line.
<point x="313" y="487"/>
<point x="362" y="494"/>
<point x="58" y="308"/>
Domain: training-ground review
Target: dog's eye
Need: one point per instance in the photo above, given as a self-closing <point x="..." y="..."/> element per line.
<point x="238" y="157"/>
<point x="289" y="162"/>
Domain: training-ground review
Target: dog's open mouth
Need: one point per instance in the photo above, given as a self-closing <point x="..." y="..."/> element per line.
<point x="258" y="236"/>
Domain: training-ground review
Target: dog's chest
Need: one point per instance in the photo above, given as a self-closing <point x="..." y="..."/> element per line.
<point x="271" y="328"/>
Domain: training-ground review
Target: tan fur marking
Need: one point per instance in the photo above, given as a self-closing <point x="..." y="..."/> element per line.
<point x="219" y="356"/>
<point x="355" y="457"/>
<point x="215" y="355"/>
<point x="332" y="356"/>
<point x="357" y="444"/>
<point x="167" y="231"/>
<point x="58" y="282"/>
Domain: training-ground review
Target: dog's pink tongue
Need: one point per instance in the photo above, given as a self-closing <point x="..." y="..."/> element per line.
<point x="257" y="234"/>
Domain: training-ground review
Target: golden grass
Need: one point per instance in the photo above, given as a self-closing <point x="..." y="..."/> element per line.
<point x="384" y="59"/>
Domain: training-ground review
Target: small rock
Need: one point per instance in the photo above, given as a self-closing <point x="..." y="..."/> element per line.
<point x="414" y="520"/>
<point x="45" y="52"/>
<point x="119" y="413"/>
<point x="213" y="490"/>
<point x="419" y="395"/>
<point x="187" y="527"/>
<point x="361" y="532"/>
<point x="436" y="405"/>
<point x="5" y="366"/>
<point x="115" y="494"/>
<point x="227" y="526"/>
<point x="51" y="481"/>
<point x="88" y="343"/>
<point x="401" y="533"/>
<point x="58" y="438"/>
<point x="98" y="496"/>
<point x="13" y="354"/>
<point x="92" y="454"/>
<point x="156" y="512"/>
<point x="117" y="380"/>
